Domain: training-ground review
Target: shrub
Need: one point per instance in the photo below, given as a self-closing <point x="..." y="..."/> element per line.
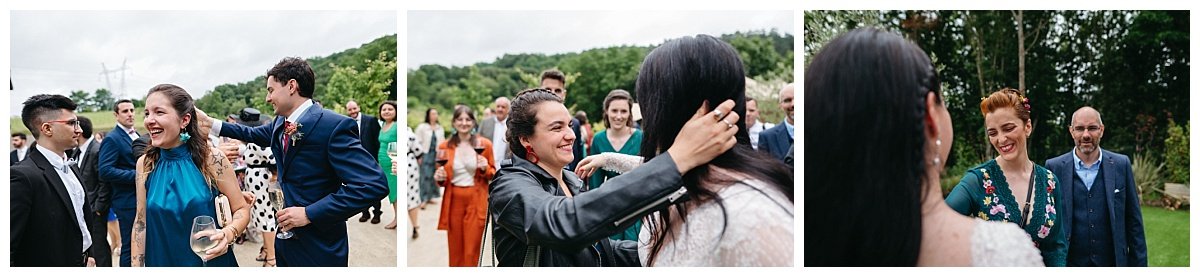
<point x="1177" y="153"/>
<point x="1149" y="176"/>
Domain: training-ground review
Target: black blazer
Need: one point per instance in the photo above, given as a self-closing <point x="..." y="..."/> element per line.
<point x="98" y="192"/>
<point x="12" y="158"/>
<point x="370" y="135"/>
<point x="43" y="228"/>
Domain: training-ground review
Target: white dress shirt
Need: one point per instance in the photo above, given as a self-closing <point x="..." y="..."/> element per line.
<point x="74" y="188"/>
<point x="133" y="135"/>
<point x="499" y="145"/>
<point x="293" y="118"/>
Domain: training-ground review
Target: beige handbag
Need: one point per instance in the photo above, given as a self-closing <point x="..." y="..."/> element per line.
<point x="224" y="213"/>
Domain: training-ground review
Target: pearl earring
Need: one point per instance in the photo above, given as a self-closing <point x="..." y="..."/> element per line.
<point x="938" y="142"/>
<point x="937" y="161"/>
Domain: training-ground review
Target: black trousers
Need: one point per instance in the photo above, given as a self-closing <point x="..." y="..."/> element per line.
<point x="101" y="250"/>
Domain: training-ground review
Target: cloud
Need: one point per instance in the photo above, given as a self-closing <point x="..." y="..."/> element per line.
<point x="60" y="51"/>
<point x="468" y="37"/>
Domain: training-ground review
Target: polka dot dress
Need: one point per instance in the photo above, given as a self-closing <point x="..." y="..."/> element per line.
<point x="414" y="172"/>
<point x="256" y="182"/>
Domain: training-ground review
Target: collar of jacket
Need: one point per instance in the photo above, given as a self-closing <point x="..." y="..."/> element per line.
<point x="548" y="182"/>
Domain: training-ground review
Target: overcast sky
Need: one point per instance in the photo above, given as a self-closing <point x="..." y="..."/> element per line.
<point x="467" y="37"/>
<point x="61" y="51"/>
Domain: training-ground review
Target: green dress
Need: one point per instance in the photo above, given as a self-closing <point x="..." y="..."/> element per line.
<point x="984" y="193"/>
<point x="385" y="137"/>
<point x="600" y="144"/>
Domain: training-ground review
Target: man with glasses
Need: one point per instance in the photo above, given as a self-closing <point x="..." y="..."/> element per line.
<point x="1099" y="199"/>
<point x="117" y="169"/>
<point x="49" y="205"/>
<point x="555" y="81"/>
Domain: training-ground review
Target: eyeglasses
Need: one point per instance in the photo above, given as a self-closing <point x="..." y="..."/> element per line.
<point x="1080" y="129"/>
<point x="71" y="122"/>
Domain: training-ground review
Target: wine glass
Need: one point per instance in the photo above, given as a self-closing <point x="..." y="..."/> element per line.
<point x="275" y="193"/>
<point x="479" y="148"/>
<point x="393" y="150"/>
<point x="442" y="157"/>
<point x="203" y="227"/>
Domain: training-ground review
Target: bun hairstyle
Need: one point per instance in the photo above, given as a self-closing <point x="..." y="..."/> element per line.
<point x="1006" y="98"/>
<point x="522" y="116"/>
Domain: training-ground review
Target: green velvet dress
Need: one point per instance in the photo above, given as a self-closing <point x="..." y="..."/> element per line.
<point x="984" y="193"/>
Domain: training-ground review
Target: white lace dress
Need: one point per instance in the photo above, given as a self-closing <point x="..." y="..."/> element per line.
<point x="995" y="243"/>
<point x="757" y="222"/>
<point x="755" y="228"/>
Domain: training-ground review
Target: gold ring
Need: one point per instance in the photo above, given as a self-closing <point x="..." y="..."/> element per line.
<point x="727" y="123"/>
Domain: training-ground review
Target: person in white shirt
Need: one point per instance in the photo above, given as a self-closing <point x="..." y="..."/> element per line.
<point x="756" y="126"/>
<point x="494" y="128"/>
<point x="19" y="149"/>
<point x="48" y="208"/>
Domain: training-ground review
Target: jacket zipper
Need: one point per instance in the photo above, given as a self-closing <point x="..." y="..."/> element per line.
<point x="670" y="198"/>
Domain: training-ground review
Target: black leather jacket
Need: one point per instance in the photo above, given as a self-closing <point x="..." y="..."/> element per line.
<point x="529" y="208"/>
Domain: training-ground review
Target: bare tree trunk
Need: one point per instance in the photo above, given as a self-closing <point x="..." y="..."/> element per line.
<point x="977" y="43"/>
<point x="1019" y="16"/>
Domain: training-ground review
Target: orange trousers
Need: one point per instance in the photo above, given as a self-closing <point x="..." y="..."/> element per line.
<point x="468" y="218"/>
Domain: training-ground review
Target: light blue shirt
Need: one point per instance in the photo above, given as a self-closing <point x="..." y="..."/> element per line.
<point x="1087" y="173"/>
<point x="791" y="129"/>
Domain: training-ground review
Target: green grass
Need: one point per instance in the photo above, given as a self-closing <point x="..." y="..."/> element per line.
<point x="1167" y="236"/>
<point x="102" y="121"/>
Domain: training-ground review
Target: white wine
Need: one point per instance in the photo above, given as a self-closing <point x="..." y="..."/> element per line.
<point x="202" y="244"/>
<point x="276" y="198"/>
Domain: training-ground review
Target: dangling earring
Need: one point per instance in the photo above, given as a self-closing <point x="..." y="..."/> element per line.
<point x="184" y="136"/>
<point x="533" y="158"/>
<point x="936" y="160"/>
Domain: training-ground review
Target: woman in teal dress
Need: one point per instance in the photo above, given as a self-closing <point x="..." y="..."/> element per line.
<point x="619" y="137"/>
<point x="387" y="113"/>
<point x="177" y="179"/>
<point x="1011" y="188"/>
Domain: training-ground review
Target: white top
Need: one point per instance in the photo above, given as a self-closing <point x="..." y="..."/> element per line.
<point x="996" y="243"/>
<point x="498" y="143"/>
<point x="464" y="166"/>
<point x="758" y="223"/>
<point x="755" y="129"/>
<point x="83" y="149"/>
<point x="424" y="133"/>
<point x="74" y="188"/>
<point x="21" y="153"/>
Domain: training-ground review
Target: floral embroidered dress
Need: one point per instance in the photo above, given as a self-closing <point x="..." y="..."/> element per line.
<point x="984" y="193"/>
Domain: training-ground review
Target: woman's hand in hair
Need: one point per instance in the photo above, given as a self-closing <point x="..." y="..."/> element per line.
<point x="704" y="137"/>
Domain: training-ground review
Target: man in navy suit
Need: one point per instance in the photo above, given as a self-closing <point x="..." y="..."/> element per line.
<point x="1103" y="219"/>
<point x="326" y="174"/>
<point x="117" y="169"/>
<point x="778" y="139"/>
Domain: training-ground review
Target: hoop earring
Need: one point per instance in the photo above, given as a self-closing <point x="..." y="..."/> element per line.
<point x="531" y="155"/>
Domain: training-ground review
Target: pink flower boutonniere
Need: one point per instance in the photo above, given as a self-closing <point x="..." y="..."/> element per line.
<point x="293" y="130"/>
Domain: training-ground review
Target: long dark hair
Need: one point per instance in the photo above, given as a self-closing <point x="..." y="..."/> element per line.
<point x="182" y="103"/>
<point x="427" y="117"/>
<point x="675" y="80"/>
<point x="522" y="117"/>
<point x="463" y="110"/>
<point x="864" y="109"/>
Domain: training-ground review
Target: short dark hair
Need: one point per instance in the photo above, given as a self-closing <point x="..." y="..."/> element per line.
<point x="523" y="117"/>
<point x="21" y="135"/>
<point x="86" y="125"/>
<point x="40" y="106"/>
<point x="118" y="104"/>
<point x="553" y="74"/>
<point x="294" y="68"/>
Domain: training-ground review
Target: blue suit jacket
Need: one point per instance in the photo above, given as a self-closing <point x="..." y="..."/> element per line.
<point x="1124" y="210"/>
<point x="313" y="172"/>
<point x="117" y="168"/>
<point x="775" y="141"/>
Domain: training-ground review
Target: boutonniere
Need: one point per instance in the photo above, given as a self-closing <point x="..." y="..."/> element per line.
<point x="293" y="130"/>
